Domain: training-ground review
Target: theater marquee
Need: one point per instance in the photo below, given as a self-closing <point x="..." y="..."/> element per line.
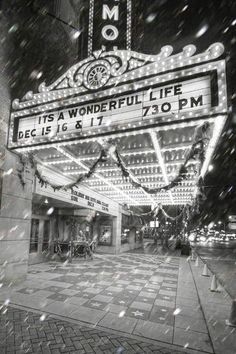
<point x="122" y="90"/>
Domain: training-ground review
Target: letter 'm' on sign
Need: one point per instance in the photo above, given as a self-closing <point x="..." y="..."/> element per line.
<point x="111" y="14"/>
<point x="196" y="101"/>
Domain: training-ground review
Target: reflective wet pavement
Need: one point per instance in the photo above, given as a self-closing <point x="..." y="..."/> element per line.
<point x="221" y="259"/>
<point x="146" y="297"/>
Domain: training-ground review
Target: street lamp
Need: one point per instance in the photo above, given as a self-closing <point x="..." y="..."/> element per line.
<point x="210" y="168"/>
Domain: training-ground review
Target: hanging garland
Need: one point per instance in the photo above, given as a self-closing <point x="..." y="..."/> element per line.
<point x="154" y="212"/>
<point x="197" y="151"/>
<point x="110" y="150"/>
<point x="173" y="218"/>
<point x="44" y="182"/>
<point x="21" y="171"/>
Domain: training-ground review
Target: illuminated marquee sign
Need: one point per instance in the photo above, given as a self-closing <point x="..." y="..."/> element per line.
<point x="182" y="96"/>
<point x="119" y="91"/>
<point x="109" y="25"/>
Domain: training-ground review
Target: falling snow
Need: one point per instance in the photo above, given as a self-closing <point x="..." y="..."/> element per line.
<point x="154" y="289"/>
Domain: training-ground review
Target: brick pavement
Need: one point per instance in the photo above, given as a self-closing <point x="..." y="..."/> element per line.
<point x="26" y="332"/>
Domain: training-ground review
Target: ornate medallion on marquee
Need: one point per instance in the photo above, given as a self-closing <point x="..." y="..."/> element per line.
<point x="96" y="71"/>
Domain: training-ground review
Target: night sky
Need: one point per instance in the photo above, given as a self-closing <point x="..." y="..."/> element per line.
<point x="201" y="23"/>
<point x="40" y="47"/>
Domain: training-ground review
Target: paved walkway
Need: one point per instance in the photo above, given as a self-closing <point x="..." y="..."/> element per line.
<point x="221" y="259"/>
<point x="153" y="301"/>
<point x="27" y="332"/>
<point x="216" y="307"/>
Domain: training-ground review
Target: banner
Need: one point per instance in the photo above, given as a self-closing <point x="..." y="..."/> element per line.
<point x="80" y="197"/>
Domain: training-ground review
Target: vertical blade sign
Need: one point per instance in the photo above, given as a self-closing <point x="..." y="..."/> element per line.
<point x="109" y="25"/>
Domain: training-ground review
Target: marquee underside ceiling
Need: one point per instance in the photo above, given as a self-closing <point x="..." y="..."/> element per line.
<point x="153" y="156"/>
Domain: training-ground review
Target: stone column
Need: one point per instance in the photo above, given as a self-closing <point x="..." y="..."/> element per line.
<point x="15" y="201"/>
<point x="132" y="244"/>
<point x="116" y="228"/>
<point x="15" y="221"/>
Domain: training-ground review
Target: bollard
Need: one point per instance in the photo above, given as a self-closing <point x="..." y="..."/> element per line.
<point x="214" y="287"/>
<point x="197" y="262"/>
<point x="192" y="256"/>
<point x="232" y="319"/>
<point x="205" y="271"/>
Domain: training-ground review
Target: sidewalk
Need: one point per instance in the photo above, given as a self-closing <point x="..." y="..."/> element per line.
<point x="222" y="262"/>
<point x="151" y="299"/>
<point x="216" y="308"/>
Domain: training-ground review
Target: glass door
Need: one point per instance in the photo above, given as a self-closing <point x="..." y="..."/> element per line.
<point x="34" y="235"/>
<point x="46" y="235"/>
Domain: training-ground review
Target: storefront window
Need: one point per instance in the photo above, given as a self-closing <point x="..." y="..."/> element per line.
<point x="34" y="235"/>
<point x="125" y="229"/>
<point x="105" y="235"/>
<point x="125" y="236"/>
<point x="137" y="236"/>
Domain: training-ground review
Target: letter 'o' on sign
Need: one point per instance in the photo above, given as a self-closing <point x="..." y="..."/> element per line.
<point x="110" y="33"/>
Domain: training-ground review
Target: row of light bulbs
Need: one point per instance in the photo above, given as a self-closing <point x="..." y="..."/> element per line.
<point x="176" y="61"/>
<point x="109" y="92"/>
<point x="163" y="201"/>
<point x="71" y="169"/>
<point x="139" y="192"/>
<point x="141" y="177"/>
<point x="57" y="159"/>
<point x="173" y="126"/>
<point x="131" y="189"/>
<point x="150" y="183"/>
<point x="64" y="139"/>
